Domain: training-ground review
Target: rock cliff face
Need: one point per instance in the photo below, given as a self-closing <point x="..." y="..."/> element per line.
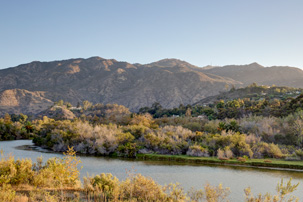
<point x="23" y="101"/>
<point x="169" y="82"/>
<point x="33" y="87"/>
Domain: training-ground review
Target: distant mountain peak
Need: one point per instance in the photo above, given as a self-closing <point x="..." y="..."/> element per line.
<point x="95" y="58"/>
<point x="170" y="62"/>
<point x="255" y="64"/>
<point x="209" y="67"/>
<point x="256" y="73"/>
<point x="251" y="65"/>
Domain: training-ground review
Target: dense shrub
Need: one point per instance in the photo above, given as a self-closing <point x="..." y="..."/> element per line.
<point x="197" y="150"/>
<point x="168" y="140"/>
<point x="14" y="130"/>
<point x="55" y="173"/>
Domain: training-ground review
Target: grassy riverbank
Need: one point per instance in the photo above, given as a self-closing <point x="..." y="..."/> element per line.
<point x="271" y="163"/>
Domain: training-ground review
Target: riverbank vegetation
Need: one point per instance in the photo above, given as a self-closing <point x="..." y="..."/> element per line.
<point x="58" y="180"/>
<point x="251" y="137"/>
<point x="113" y="130"/>
<point x="15" y="127"/>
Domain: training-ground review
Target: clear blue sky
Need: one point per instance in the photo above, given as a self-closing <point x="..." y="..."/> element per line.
<point x="201" y="32"/>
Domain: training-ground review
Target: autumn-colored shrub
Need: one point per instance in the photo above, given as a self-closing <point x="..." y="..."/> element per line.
<point x="197" y="150"/>
<point x="241" y="159"/>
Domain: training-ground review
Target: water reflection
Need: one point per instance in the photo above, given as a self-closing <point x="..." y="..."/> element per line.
<point x="261" y="180"/>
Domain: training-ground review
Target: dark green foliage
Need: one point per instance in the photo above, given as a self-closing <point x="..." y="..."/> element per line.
<point x="128" y="150"/>
<point x="231" y="126"/>
<point x="10" y="130"/>
<point x="254" y="99"/>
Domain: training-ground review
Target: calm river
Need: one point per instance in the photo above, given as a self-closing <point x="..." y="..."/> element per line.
<point x="188" y="175"/>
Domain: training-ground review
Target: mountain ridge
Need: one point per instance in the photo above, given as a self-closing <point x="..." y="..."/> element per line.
<point x="170" y="82"/>
<point x="110" y="81"/>
<point x="256" y="73"/>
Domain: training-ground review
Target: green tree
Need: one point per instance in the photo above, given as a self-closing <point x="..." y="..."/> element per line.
<point x="68" y="105"/>
<point x="7" y="119"/>
<point x="86" y="104"/>
<point x="188" y="112"/>
<point x="220" y="104"/>
<point x="60" y="103"/>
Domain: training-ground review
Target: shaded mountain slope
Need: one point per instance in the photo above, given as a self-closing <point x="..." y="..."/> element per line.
<point x="255" y="73"/>
<point x="109" y="81"/>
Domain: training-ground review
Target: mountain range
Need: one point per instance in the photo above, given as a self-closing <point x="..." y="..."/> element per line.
<point x="256" y="73"/>
<point x="33" y="87"/>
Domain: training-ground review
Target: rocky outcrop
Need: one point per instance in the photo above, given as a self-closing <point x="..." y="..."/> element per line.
<point x="23" y="101"/>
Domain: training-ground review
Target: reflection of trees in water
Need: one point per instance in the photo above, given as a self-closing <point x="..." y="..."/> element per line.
<point x="298" y="174"/>
<point x="138" y="163"/>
